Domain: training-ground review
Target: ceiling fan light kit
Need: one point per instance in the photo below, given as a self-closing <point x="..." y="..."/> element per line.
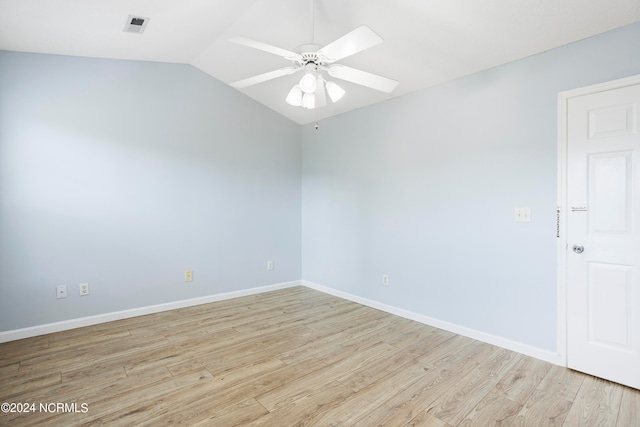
<point x="309" y="93"/>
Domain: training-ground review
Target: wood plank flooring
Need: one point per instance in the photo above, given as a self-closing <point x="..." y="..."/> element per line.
<point x="291" y="358"/>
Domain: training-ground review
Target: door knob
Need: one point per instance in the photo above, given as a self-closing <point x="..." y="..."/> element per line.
<point x="578" y="249"/>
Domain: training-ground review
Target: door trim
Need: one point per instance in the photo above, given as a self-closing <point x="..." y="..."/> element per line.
<point x="562" y="243"/>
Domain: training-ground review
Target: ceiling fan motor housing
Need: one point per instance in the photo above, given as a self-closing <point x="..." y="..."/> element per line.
<point x="310" y="59"/>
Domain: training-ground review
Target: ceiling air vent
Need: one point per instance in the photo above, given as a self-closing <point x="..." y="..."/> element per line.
<point x="136" y="24"/>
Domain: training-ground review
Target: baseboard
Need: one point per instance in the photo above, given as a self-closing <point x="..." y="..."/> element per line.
<point x="141" y="311"/>
<point x="518" y="347"/>
<point x="48" y="328"/>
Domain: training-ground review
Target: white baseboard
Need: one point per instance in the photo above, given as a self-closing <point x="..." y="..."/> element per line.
<point x="518" y="347"/>
<point x="141" y="311"/>
<point x="48" y="328"/>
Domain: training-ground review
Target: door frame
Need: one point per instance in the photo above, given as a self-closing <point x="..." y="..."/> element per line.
<point x="562" y="243"/>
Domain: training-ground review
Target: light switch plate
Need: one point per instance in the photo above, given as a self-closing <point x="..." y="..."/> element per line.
<point x="522" y="214"/>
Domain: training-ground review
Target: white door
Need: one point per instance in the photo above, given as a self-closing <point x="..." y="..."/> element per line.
<point x="603" y="234"/>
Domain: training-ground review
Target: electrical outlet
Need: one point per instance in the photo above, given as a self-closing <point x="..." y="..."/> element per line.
<point x="61" y="291"/>
<point x="188" y="276"/>
<point x="385" y="280"/>
<point x="84" y="289"/>
<point x="269" y="265"/>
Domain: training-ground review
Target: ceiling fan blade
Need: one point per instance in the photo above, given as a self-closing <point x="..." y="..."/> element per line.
<point x="321" y="93"/>
<point x="356" y="41"/>
<point x="287" y="54"/>
<point x="264" y="77"/>
<point x="362" y="78"/>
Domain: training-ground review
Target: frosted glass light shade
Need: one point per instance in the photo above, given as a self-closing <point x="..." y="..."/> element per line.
<point x="309" y="101"/>
<point x="295" y="96"/>
<point x="335" y="91"/>
<point x="308" y="83"/>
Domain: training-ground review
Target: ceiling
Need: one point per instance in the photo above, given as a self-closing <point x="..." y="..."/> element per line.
<point x="426" y="42"/>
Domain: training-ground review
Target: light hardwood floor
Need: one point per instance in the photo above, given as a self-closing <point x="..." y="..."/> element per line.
<point x="290" y="358"/>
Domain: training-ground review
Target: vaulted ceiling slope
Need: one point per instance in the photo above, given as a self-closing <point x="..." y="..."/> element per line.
<point x="426" y="42"/>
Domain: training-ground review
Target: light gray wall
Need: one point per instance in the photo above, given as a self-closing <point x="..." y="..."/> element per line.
<point x="423" y="188"/>
<point x="125" y="174"/>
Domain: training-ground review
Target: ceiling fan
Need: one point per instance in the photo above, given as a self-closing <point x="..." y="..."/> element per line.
<point x="313" y="59"/>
